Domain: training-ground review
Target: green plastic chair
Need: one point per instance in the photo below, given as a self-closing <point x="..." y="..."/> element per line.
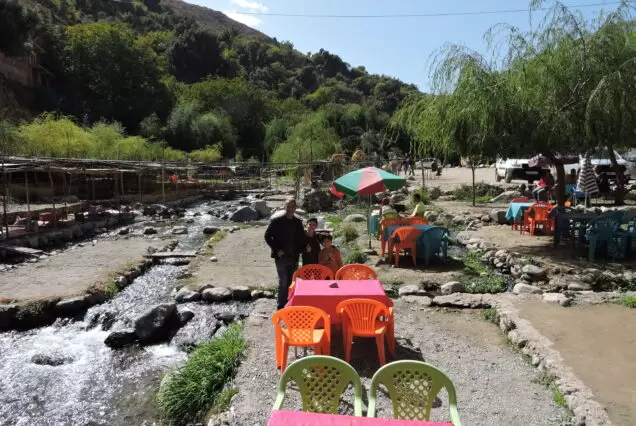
<point x="391" y="214"/>
<point x="321" y="381"/>
<point x="412" y="387"/>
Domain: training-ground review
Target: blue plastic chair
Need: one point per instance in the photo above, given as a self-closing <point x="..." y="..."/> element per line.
<point x="562" y="226"/>
<point x="434" y="242"/>
<point x="605" y="231"/>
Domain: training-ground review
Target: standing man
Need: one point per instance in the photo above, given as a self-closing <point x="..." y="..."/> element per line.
<point x="286" y="237"/>
<point x="312" y="249"/>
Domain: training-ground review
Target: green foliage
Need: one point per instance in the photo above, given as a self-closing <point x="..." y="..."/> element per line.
<point x="18" y="26"/>
<point x="355" y="255"/>
<point x="479" y="278"/>
<point x="483" y="191"/>
<point x="425" y="196"/>
<point x="628" y="301"/>
<point x="189" y="392"/>
<point x="491" y="315"/>
<point x="349" y="232"/>
<point x="209" y="154"/>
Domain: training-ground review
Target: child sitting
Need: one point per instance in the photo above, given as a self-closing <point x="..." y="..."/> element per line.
<point x="330" y="255"/>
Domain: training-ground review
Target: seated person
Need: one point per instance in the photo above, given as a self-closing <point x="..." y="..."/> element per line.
<point x="419" y="209"/>
<point x="543" y="187"/>
<point x="571" y="178"/>
<point x="330" y="256"/>
<point x="385" y="206"/>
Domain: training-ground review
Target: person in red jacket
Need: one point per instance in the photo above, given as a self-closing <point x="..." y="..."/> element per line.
<point x="330" y="256"/>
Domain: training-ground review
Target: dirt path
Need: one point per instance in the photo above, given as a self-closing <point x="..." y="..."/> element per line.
<point x="494" y="385"/>
<point x="73" y="271"/>
<point x="243" y="258"/>
<point x="599" y="343"/>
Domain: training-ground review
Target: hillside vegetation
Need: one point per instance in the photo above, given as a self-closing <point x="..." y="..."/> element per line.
<point x="130" y="78"/>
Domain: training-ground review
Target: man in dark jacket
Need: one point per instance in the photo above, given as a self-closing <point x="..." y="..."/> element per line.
<point x="310" y="253"/>
<point x="286" y="237"/>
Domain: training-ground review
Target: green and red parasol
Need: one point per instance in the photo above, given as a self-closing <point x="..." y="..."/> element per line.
<point x="367" y="181"/>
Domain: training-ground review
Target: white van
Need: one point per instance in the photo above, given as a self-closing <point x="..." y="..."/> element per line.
<point x="517" y="169"/>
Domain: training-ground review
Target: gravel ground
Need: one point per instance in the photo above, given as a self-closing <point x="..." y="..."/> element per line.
<point x="494" y="385"/>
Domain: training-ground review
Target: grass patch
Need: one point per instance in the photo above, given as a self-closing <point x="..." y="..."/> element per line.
<point x="491" y="315"/>
<point x="111" y="288"/>
<point x="349" y="232"/>
<point x="479" y="278"/>
<point x="425" y="196"/>
<point x="218" y="236"/>
<point x="334" y="220"/>
<point x="558" y="398"/>
<point x="188" y="393"/>
<point x="549" y="381"/>
<point x="355" y="255"/>
<point x="628" y="301"/>
<point x="483" y="191"/>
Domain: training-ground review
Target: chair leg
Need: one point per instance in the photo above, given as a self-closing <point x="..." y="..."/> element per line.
<point x="592" y="250"/>
<point x="279" y="344"/>
<point x="383" y="244"/>
<point x="414" y="255"/>
<point x="397" y="256"/>
<point x="284" y="356"/>
<point x="379" y="341"/>
<point x="348" y="344"/>
<point x="391" y="336"/>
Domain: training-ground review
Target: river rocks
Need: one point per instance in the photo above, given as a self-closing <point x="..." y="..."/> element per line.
<point x="70" y="307"/>
<point x="315" y="200"/>
<point x="186" y="295"/>
<point x="124" y="231"/>
<point x="522" y="288"/>
<point x="211" y="230"/>
<point x="408" y="290"/>
<point x="52" y="360"/>
<point x="257" y="294"/>
<point x="228" y="317"/>
<point x="356" y="217"/>
<point x="261" y="208"/>
<point x="149" y="230"/>
<point x="185" y="315"/>
<point x="121" y="338"/>
<point x="241" y="293"/>
<point x="154" y="209"/>
<point x="157" y="324"/>
<point x="462" y="300"/>
<point x="506" y="197"/>
<point x="431" y="216"/>
<point x="452" y="287"/>
<point x="7" y="315"/>
<point x="217" y="294"/>
<point x="244" y="214"/>
<point x="498" y="216"/>
<point x="196" y="332"/>
<point x="556" y="298"/>
<point x="577" y="286"/>
<point x="533" y="272"/>
<point x="179" y="230"/>
<point x="435" y="193"/>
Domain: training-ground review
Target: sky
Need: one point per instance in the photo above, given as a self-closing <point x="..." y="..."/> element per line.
<point x="398" y="47"/>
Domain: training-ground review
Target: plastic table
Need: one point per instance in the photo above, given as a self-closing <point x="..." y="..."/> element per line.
<point x="374" y="222"/>
<point x="420" y="241"/>
<point x="300" y="418"/>
<point x="325" y="296"/>
<point x="514" y="210"/>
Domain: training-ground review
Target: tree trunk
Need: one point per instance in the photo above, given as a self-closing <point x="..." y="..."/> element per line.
<point x="619" y="194"/>
<point x="472" y="169"/>
<point x="560" y="178"/>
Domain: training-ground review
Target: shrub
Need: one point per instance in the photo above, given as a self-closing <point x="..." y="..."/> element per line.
<point x="483" y="191"/>
<point x="491" y="315"/>
<point x="425" y="196"/>
<point x="189" y="392"/>
<point x="489" y="283"/>
<point x="349" y="233"/>
<point x="355" y="255"/>
<point x="628" y="301"/>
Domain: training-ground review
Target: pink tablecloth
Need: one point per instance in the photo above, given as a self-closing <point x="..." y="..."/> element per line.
<point x="299" y="418"/>
<point x="320" y="295"/>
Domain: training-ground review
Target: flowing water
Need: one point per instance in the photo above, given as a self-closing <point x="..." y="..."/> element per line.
<point x="96" y="385"/>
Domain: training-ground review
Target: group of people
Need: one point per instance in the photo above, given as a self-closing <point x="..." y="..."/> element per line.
<point x="289" y="241"/>
<point x="418" y="210"/>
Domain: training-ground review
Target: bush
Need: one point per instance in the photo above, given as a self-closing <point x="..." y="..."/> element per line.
<point x="349" y="233"/>
<point x="425" y="196"/>
<point x="355" y="255"/>
<point x="483" y="191"/>
<point x="489" y="283"/>
<point x="189" y="392"/>
<point x="491" y="315"/>
<point x="628" y="301"/>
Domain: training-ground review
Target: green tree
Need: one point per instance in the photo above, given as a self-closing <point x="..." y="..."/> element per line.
<point x="18" y="26"/>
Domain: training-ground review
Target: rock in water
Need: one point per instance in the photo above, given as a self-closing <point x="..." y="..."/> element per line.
<point x="121" y="338"/>
<point x="185" y="315"/>
<point x="179" y="230"/>
<point x="244" y="214"/>
<point x="217" y="294"/>
<point x="70" y="307"/>
<point x="51" y="359"/>
<point x="149" y="230"/>
<point x="210" y="230"/>
<point x="186" y="295"/>
<point x="157" y="324"/>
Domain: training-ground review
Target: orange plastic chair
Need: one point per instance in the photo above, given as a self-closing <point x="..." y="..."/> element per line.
<point x="367" y="318"/>
<point x="356" y="272"/>
<point x="384" y="224"/>
<point x="521" y="200"/>
<point x="309" y="272"/>
<point x="537" y="215"/>
<point x="402" y="239"/>
<point x="412" y="221"/>
<point x="300" y="330"/>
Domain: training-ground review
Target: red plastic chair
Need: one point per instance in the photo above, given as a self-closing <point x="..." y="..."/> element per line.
<point x="296" y="326"/>
<point x="413" y="221"/>
<point x="521" y="200"/>
<point x="366" y="318"/>
<point x="384" y="224"/>
<point x="403" y="239"/>
<point x="356" y="272"/>
<point x="309" y="272"/>
<point x="537" y="216"/>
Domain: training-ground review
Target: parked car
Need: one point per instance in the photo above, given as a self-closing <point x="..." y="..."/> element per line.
<point x="517" y="169"/>
<point x="602" y="164"/>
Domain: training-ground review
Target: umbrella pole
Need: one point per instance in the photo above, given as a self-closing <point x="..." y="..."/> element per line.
<point x="369" y="222"/>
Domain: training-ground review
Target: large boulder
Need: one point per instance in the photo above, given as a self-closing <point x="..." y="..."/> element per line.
<point x="241" y="292"/>
<point x="185" y="315"/>
<point x="522" y="288"/>
<point x="316" y="201"/>
<point x="211" y="230"/>
<point x="186" y="295"/>
<point x="261" y="208"/>
<point x="408" y="290"/>
<point x="70" y="307"/>
<point x="244" y="214"/>
<point x="158" y="324"/>
<point x="499" y="216"/>
<point x="7" y="314"/>
<point x="149" y="230"/>
<point x="452" y="287"/>
<point x="217" y="294"/>
<point x="506" y="197"/>
<point x="535" y="273"/>
<point x="356" y="217"/>
<point x="121" y="338"/>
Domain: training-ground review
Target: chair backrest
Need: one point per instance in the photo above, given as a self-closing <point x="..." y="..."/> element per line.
<point x="313" y="272"/>
<point x="385" y="223"/>
<point x="605" y="225"/>
<point x="405" y="234"/>
<point x="362" y="314"/>
<point x="356" y="271"/>
<point x="540" y="210"/>
<point x="416" y="221"/>
<point x="321" y="381"/>
<point x="520" y="200"/>
<point x="412" y="387"/>
<point x="435" y="234"/>
<point x="390" y="214"/>
<point x="301" y="322"/>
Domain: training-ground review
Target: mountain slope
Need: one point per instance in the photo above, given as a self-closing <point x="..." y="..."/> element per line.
<point x="213" y="19"/>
